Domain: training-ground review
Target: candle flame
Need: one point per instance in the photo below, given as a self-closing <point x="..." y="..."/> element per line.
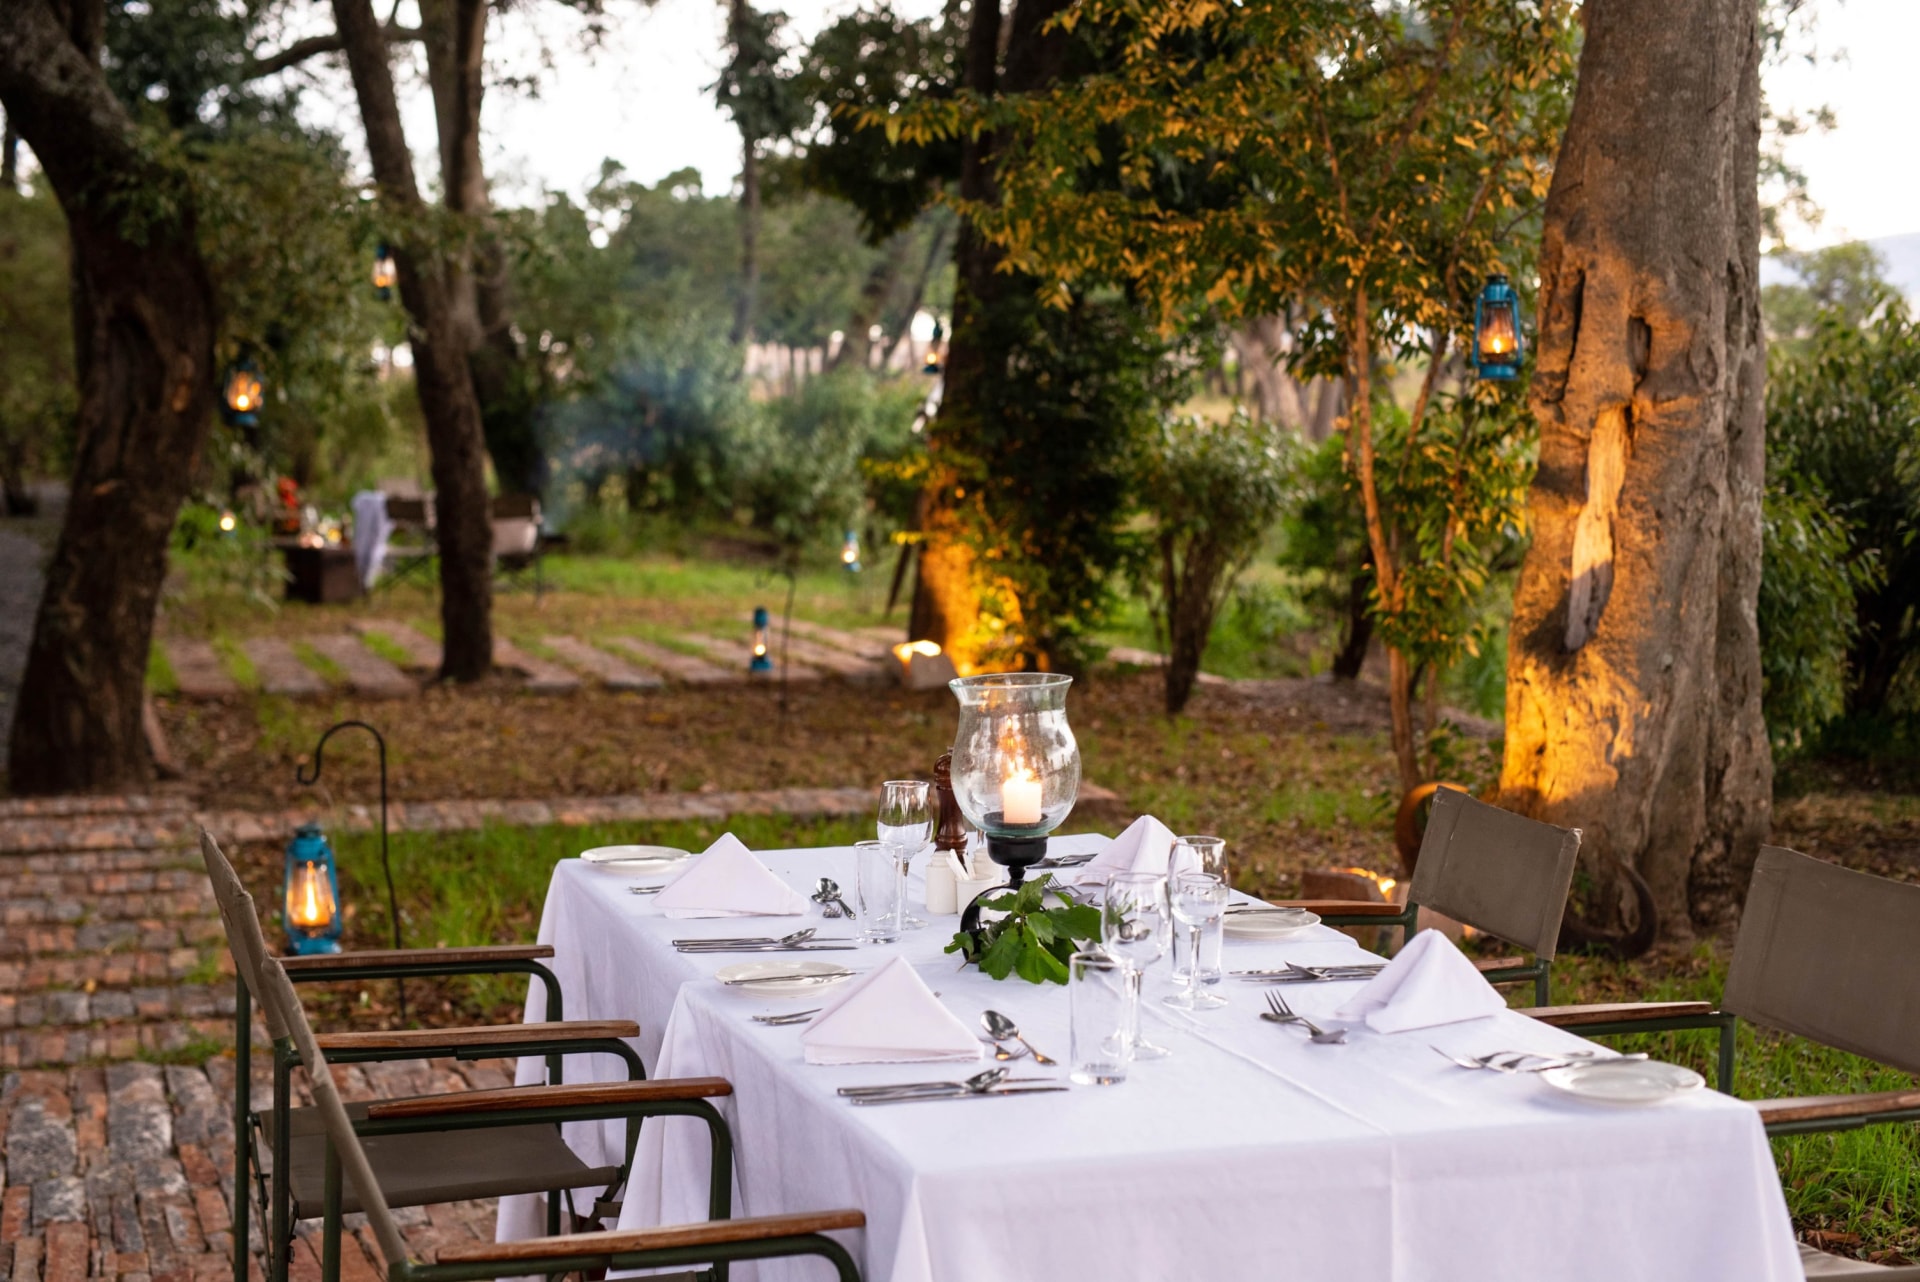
<point x="907" y="649"/>
<point x="310" y="902"/>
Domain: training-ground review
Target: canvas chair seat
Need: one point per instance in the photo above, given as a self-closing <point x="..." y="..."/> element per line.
<point x="1818" y="1264"/>
<point x="440" y="1166"/>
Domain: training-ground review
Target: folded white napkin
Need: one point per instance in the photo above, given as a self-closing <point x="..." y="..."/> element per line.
<point x="726" y="880"/>
<point x="1431" y="982"/>
<point x="1146" y="846"/>
<point x="888" y="1017"/>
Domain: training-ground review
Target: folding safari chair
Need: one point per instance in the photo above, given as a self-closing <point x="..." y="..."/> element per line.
<point x="351" y="1179"/>
<point x="413" y="545"/>
<point x="519" y="543"/>
<point x="529" y="1159"/>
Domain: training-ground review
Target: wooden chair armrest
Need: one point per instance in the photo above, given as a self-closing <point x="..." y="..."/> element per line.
<point x="572" y="1030"/>
<point x="1612" y="1012"/>
<point x="1808" y="1108"/>
<point x="1485" y="964"/>
<point x="710" y="1233"/>
<point x="1343" y="907"/>
<point x="476" y="956"/>
<point x="519" y="1097"/>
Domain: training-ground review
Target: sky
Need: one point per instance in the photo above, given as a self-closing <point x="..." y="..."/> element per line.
<point x="641" y="99"/>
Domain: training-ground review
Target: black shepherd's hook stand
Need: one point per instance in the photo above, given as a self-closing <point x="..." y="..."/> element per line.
<point x="305" y="780"/>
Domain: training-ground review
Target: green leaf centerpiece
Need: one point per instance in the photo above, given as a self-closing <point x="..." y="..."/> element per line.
<point x="1032" y="940"/>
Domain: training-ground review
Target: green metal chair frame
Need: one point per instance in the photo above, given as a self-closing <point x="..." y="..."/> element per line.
<point x="716" y="1243"/>
<point x="553" y="1039"/>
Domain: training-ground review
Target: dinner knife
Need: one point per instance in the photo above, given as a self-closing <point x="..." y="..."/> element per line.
<point x="862" y="1101"/>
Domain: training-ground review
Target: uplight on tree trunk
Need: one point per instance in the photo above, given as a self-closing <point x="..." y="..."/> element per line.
<point x="1633" y="677"/>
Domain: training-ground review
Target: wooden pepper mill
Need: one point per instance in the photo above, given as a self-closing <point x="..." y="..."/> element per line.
<point x="950" y="833"/>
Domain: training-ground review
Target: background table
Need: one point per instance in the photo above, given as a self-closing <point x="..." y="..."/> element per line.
<point x="1249" y="1154"/>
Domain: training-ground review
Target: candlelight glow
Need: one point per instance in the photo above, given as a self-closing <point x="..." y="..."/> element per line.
<point x="227" y="523"/>
<point x="907" y="649"/>
<point x="310" y="904"/>
<point x="243" y="391"/>
<point x="1384" y="883"/>
<point x="1498" y="338"/>
<point x="1020" y="798"/>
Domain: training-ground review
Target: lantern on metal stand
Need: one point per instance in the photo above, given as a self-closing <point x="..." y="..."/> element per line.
<point x="240" y="397"/>
<point x="932" y="363"/>
<point x="850" y="552"/>
<point x="1498" y="345"/>
<point x="762" y="660"/>
<point x="385" y="273"/>
<point x="306" y="780"/>
<point x="312" y="893"/>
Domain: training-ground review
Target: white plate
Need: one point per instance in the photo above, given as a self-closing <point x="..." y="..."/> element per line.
<point x="636" y="858"/>
<point x="1624" y="1081"/>
<point x="1271" y="924"/>
<point x="831" y="973"/>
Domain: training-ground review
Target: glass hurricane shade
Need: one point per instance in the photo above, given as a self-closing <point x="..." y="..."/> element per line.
<point x="1498" y="345"/>
<point x="1016" y="765"/>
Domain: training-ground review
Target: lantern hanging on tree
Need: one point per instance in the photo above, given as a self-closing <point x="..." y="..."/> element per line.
<point x="312" y="899"/>
<point x="240" y="399"/>
<point x="850" y="552"/>
<point x="762" y="660"/>
<point x="385" y="273"/>
<point x="1498" y="346"/>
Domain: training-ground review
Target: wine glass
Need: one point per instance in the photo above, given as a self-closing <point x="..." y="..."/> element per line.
<point x="905" y="827"/>
<point x="1199" y="902"/>
<point x="1135" y="927"/>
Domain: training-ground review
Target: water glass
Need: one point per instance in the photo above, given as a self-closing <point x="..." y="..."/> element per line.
<point x="905" y="827"/>
<point x="878" y="891"/>
<point x="1101" y="999"/>
<point x="1199" y="903"/>
<point x="1208" y="855"/>
<point x="1136" y="927"/>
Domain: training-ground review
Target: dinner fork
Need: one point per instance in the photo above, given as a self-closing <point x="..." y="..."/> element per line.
<point x="792" y="1017"/>
<point x="1516" y="1061"/>
<point x="1280" y="1013"/>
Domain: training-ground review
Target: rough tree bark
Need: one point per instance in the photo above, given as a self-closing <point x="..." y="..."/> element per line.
<point x="429" y="288"/>
<point x="143" y="324"/>
<point x="1633" y="682"/>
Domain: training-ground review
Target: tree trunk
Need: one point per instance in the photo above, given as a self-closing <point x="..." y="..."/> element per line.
<point x="144" y="324"/>
<point x="1633" y="684"/>
<point x="1353" y="651"/>
<point x="9" y="157"/>
<point x="856" y="352"/>
<point x="438" y="334"/>
<point x="748" y="298"/>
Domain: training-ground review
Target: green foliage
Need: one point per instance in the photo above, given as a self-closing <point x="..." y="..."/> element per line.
<point x="211" y="562"/>
<point x="755" y="88"/>
<point x="1323" y="534"/>
<point x="37" y="396"/>
<point x="1044" y="458"/>
<point x="1843" y="465"/>
<point x="1032" y="941"/>
<point x="1848" y="280"/>
<point x="1212" y="490"/>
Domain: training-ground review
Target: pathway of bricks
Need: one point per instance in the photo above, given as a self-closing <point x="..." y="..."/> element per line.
<point x="116" y="1002"/>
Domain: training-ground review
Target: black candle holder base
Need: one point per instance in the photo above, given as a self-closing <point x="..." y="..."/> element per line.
<point x="1016" y="855"/>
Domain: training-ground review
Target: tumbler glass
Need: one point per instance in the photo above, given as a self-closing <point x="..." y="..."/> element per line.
<point x="878" y="891"/>
<point x="1135" y="927"/>
<point x="1101" y="998"/>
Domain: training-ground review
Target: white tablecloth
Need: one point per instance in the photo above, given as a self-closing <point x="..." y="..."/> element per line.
<point x="1249" y="1154"/>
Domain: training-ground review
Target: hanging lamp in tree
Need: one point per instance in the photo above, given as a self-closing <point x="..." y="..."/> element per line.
<point x="241" y="396"/>
<point x="385" y="273"/>
<point x="1498" y="346"/>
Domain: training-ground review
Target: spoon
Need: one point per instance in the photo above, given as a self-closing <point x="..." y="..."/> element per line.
<point x="827" y="894"/>
<point x="1002" y="1029"/>
<point x="978" y="1082"/>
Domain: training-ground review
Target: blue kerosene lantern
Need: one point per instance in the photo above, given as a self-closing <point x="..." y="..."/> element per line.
<point x="762" y="660"/>
<point x="1498" y="347"/>
<point x="312" y="893"/>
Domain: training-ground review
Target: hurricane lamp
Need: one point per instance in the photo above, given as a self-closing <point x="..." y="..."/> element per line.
<point x="762" y="660"/>
<point x="240" y="399"/>
<point x="850" y="552"/>
<point x="312" y="897"/>
<point x="385" y="273"/>
<point x="1498" y="343"/>
<point x="1016" y="766"/>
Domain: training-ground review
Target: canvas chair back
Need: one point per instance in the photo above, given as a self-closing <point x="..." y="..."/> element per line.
<point x="415" y="512"/>
<point x="1496" y="871"/>
<point x="1830" y="954"/>
<point x="278" y="996"/>
<point x="245" y="940"/>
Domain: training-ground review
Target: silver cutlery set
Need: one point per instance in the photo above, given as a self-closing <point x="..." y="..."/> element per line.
<point x="1293" y="973"/>
<point x="1530" y="1061"/>
<point x="800" y="941"/>
<point x="993" y="1082"/>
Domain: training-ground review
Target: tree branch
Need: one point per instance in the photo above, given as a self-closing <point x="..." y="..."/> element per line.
<point x="315" y="46"/>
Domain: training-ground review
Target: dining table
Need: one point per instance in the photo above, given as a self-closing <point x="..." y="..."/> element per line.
<point x="1250" y="1152"/>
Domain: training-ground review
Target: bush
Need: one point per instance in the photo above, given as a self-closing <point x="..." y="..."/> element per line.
<point x="1212" y="490"/>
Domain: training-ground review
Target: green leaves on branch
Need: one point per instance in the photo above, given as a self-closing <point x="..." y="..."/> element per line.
<point x="1031" y="940"/>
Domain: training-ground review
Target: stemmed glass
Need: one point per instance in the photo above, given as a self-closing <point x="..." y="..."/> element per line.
<point x="1135" y="927"/>
<point x="905" y="829"/>
<point x="1199" y="902"/>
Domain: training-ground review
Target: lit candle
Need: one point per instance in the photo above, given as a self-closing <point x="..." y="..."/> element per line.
<point x="310" y="898"/>
<point x="1020" y="799"/>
